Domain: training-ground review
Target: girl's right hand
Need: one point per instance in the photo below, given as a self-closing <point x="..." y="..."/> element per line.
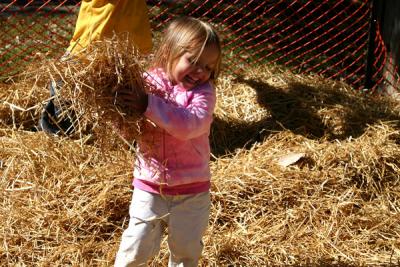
<point x="128" y="100"/>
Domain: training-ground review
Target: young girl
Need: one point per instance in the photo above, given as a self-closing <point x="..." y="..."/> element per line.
<point x="172" y="174"/>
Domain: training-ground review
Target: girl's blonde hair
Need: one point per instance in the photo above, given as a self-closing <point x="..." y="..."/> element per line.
<point x="183" y="35"/>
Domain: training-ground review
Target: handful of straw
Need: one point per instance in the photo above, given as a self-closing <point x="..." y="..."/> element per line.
<point x="90" y="82"/>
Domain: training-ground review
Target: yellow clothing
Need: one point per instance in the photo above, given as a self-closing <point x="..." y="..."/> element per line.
<point x="99" y="19"/>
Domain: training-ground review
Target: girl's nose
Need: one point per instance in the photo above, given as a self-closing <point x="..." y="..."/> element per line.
<point x="201" y="69"/>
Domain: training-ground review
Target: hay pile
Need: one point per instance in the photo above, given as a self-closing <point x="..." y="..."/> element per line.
<point x="21" y="102"/>
<point x="88" y="87"/>
<point x="65" y="201"/>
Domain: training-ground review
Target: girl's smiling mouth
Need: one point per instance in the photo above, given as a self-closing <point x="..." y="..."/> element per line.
<point x="191" y="81"/>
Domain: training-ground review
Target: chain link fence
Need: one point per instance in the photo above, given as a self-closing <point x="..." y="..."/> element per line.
<point x="329" y="38"/>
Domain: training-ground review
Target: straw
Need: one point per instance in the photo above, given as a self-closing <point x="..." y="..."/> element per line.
<point x="65" y="201"/>
<point x="87" y="86"/>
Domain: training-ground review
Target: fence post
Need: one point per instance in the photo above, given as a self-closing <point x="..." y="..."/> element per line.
<point x="389" y="22"/>
<point x="371" y="44"/>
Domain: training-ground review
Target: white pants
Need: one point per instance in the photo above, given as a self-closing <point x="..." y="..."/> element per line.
<point x="186" y="217"/>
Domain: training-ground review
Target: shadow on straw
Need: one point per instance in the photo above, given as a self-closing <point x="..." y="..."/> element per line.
<point x="316" y="111"/>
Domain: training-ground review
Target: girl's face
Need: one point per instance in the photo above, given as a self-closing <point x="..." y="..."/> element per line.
<point x="188" y="74"/>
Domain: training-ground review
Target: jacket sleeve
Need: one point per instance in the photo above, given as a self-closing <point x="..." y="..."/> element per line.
<point x="184" y="122"/>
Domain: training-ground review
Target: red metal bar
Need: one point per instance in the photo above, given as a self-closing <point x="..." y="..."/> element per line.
<point x="258" y="26"/>
<point x="318" y="37"/>
<point x="348" y="37"/>
<point x="303" y="37"/>
<point x="283" y="39"/>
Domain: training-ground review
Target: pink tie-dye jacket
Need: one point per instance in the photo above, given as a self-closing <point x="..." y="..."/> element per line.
<point x="174" y="149"/>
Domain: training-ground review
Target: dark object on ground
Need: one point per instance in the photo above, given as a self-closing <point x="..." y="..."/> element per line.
<point x="57" y="116"/>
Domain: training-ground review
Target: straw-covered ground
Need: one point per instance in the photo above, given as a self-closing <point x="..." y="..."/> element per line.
<point x="306" y="172"/>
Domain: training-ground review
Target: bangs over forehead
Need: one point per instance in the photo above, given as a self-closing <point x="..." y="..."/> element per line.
<point x="186" y="35"/>
<point x="192" y="35"/>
